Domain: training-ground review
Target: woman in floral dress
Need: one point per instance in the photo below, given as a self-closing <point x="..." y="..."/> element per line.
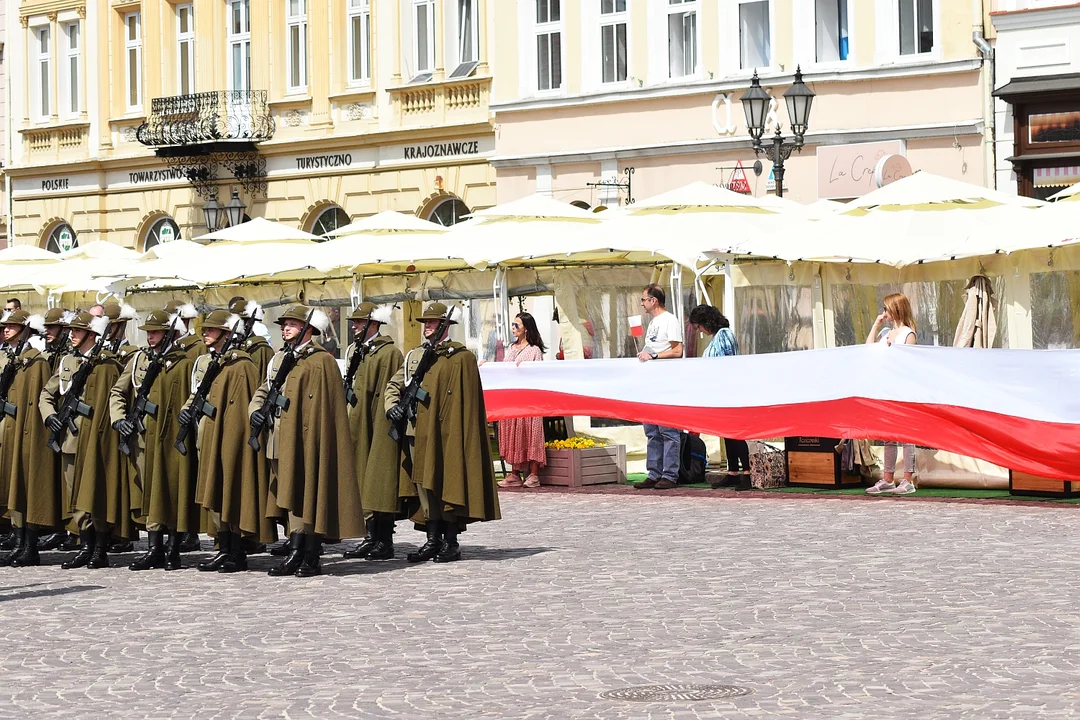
<point x="521" y="440"/>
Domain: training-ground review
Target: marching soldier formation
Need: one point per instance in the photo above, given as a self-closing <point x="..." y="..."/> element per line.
<point x="215" y="432"/>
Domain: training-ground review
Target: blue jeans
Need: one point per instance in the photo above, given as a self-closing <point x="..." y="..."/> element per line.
<point x="662" y="459"/>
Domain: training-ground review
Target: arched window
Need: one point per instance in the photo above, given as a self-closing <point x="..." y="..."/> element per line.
<point x="329" y="219"/>
<point x="163" y="230"/>
<point x="449" y="212"/>
<point x="61" y="239"/>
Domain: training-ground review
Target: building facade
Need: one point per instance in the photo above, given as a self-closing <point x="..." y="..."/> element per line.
<point x="1037" y="90"/>
<point x="130" y="116"/>
<point x="614" y="90"/>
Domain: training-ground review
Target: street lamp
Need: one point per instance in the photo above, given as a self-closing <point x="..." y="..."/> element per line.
<point x="212" y="212"/>
<point x="755" y="104"/>
<point x="234" y="211"/>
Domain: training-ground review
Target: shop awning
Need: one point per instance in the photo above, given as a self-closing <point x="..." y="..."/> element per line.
<point x="1021" y="87"/>
<point x="1061" y="176"/>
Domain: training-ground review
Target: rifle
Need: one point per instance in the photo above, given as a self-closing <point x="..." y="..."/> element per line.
<point x="413" y="394"/>
<point x="276" y="403"/>
<point x="58" y="348"/>
<point x="199" y="403"/>
<point x="354" y="364"/>
<point x="7" y="377"/>
<point x="73" y="405"/>
<point x="142" y="406"/>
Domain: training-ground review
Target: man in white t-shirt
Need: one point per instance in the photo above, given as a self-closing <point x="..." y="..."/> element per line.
<point x="663" y="340"/>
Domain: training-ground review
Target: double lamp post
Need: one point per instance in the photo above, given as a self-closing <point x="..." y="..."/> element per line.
<point x="756" y="103"/>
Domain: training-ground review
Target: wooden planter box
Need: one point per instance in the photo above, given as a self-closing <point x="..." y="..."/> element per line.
<point x="591" y="466"/>
<point x="1021" y="483"/>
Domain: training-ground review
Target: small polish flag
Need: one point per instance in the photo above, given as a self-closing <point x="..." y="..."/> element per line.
<point x="636" y="329"/>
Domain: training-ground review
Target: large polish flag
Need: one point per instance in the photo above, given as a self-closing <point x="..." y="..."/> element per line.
<point x="1016" y="408"/>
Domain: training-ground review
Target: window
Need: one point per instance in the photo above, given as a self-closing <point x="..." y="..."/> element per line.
<point x="613" y="40"/>
<point x="185" y="50"/>
<point x="754" y="43"/>
<point x="69" y="69"/>
<point x="239" y="39"/>
<point x="423" y="39"/>
<point x="61" y="239"/>
<point x="133" y="63"/>
<point x="682" y="38"/>
<point x="329" y="219"/>
<point x="449" y="212"/>
<point x="548" y="45"/>
<point x="42" y="88"/>
<point x="359" y="42"/>
<point x="916" y="26"/>
<point x="296" y="30"/>
<point x="831" y="30"/>
<point x="468" y="38"/>
<point x="163" y="231"/>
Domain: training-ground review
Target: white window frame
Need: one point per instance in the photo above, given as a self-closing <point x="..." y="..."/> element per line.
<point x="133" y="45"/>
<point x="473" y="32"/>
<point x="429" y="39"/>
<point x="359" y="10"/>
<point x="550" y="28"/>
<point x="613" y="20"/>
<point x="71" y="70"/>
<point x="41" y="93"/>
<point x="682" y="8"/>
<point x="188" y="39"/>
<point x="770" y="61"/>
<point x="296" y="69"/>
<point x="240" y="39"/>
<point x="935" y="18"/>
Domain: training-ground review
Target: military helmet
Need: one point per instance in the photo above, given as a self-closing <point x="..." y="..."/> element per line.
<point x="363" y="311"/>
<point x="301" y="313"/>
<point x="246" y="309"/>
<point x="55" y="316"/>
<point x="16" y="317"/>
<point x="438" y="311"/>
<point x="185" y="310"/>
<point x="221" y="320"/>
<point x="86" y="321"/>
<point x="117" y="312"/>
<point x="157" y="320"/>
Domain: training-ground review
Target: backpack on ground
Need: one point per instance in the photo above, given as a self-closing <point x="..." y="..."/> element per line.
<point x="692" y="460"/>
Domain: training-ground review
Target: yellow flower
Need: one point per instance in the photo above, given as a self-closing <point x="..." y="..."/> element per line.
<point x="575" y="443"/>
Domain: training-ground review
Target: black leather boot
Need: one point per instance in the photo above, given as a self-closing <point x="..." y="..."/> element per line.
<point x="284" y="549"/>
<point x="431" y="548"/>
<point x="383" y="548"/>
<point x="189" y="542"/>
<point x="310" y="566"/>
<point x="119" y="545"/>
<point x="28" y="555"/>
<point x="8" y="541"/>
<point x="224" y="541"/>
<point x="361" y="551"/>
<point x="19" y="537"/>
<point x="52" y="541"/>
<point x="71" y="542"/>
<point x="82" y="557"/>
<point x="154" y="559"/>
<point x="100" y="558"/>
<point x="236" y="559"/>
<point x="296" y="556"/>
<point x="451" y="551"/>
<point x="172" y="552"/>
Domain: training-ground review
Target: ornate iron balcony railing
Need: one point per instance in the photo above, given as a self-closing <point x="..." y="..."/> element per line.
<point x="207" y="118"/>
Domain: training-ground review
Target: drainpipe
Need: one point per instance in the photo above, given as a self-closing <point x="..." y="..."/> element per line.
<point x="989" y="109"/>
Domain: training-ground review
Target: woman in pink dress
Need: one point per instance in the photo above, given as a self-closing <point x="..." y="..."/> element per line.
<point x="521" y="440"/>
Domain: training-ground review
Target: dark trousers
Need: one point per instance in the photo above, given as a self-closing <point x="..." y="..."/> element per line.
<point x="737" y="452"/>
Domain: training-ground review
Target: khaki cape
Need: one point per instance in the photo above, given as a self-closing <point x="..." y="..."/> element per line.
<point x="315" y="476"/>
<point x="28" y="468"/>
<point x="379" y="474"/>
<point x="234" y="479"/>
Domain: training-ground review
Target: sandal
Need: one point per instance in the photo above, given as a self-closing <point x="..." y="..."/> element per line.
<point x="532" y="482"/>
<point x="513" y="480"/>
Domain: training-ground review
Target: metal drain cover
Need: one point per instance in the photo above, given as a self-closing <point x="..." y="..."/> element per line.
<point x="675" y="693"/>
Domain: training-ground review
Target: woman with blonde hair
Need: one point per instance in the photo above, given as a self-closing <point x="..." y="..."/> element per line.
<point x="896" y="314"/>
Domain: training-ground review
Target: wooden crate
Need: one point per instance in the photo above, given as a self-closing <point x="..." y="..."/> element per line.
<point x="814" y="462"/>
<point x="591" y="466"/>
<point x="1022" y="483"/>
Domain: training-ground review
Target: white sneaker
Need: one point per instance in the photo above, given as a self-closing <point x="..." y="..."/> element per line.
<point x="904" y="488"/>
<point x="881" y="487"/>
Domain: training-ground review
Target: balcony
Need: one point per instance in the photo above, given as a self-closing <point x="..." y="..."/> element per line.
<point x="55" y="143"/>
<point x="451" y="102"/>
<point x="218" y="121"/>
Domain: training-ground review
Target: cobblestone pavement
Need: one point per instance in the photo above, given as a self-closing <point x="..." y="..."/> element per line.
<point x="823" y="609"/>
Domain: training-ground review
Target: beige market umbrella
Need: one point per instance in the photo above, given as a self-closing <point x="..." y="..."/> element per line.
<point x="19" y="262"/>
<point x="388" y="222"/>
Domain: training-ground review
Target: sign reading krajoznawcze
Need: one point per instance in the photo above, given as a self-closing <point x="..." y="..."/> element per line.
<point x="847" y="171"/>
<point x="451" y="149"/>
